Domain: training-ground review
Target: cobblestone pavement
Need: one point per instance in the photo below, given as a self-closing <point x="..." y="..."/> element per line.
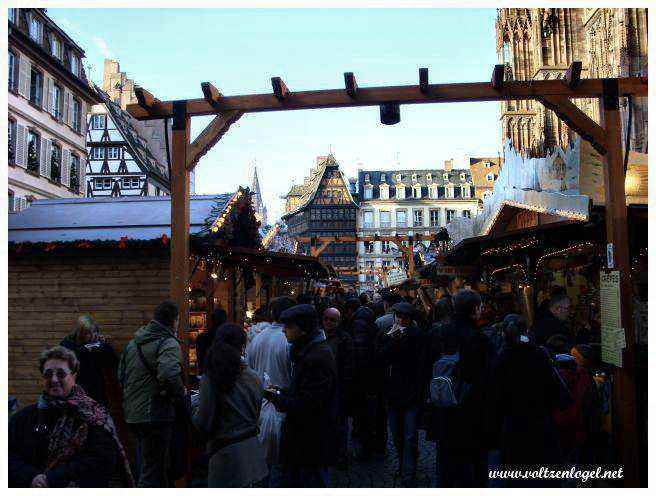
<point x="380" y="471"/>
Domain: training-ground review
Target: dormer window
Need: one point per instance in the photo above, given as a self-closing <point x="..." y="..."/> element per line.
<point x="445" y="176"/>
<point x="384" y="191"/>
<point x="429" y="177"/>
<point x="368" y="193"/>
<point x="75" y="64"/>
<point x="414" y="178"/>
<point x="398" y="178"/>
<point x="416" y="191"/>
<point x="449" y="191"/>
<point x="383" y="177"/>
<point x="366" y="178"/>
<point x="55" y="47"/>
<point x="465" y="191"/>
<point x="432" y="191"/>
<point x="400" y="193"/>
<point x="35" y="29"/>
<point x="463" y="176"/>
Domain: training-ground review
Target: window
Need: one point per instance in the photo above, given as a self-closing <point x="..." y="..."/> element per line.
<point x="12" y="59"/>
<point x="432" y="191"/>
<point x="486" y="194"/>
<point x="131" y="182"/>
<point x="464" y="190"/>
<point x="366" y="178"/>
<point x="450" y="214"/>
<point x="33" y="151"/>
<point x="368" y="247"/>
<point x="11" y="141"/>
<point x="429" y="177"/>
<point x="104" y="183"/>
<point x="57" y="102"/>
<point x="418" y="218"/>
<point x="368" y="193"/>
<point x="385" y="246"/>
<point x="463" y="176"/>
<point x="74" y="176"/>
<point x="75" y="64"/>
<point x="400" y="192"/>
<point x="449" y="192"/>
<point x="55" y="163"/>
<point x="35" y="29"/>
<point x="55" y="46"/>
<point x="466" y="214"/>
<point x="11" y="201"/>
<point x="490" y="177"/>
<point x="445" y="176"/>
<point x="11" y="15"/>
<point x="383" y="177"/>
<point x="488" y="165"/>
<point x="384" y="192"/>
<point x="414" y="178"/>
<point x="434" y="218"/>
<point x="401" y="218"/>
<point x="36" y="87"/>
<point x="97" y="153"/>
<point x="368" y="219"/>
<point x="398" y="178"/>
<point x="98" y="121"/>
<point x="75" y="115"/>
<point x="113" y="152"/>
<point x="385" y="218"/>
<point x="416" y="191"/>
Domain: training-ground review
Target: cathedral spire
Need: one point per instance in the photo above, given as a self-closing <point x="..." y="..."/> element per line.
<point x="258" y="203"/>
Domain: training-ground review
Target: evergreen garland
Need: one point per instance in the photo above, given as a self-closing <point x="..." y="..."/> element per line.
<point x="55" y="167"/>
<point x="74" y="178"/>
<point x="10" y="146"/>
<point x="32" y="157"/>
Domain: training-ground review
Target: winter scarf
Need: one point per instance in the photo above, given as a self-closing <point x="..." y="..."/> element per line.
<point x="69" y="435"/>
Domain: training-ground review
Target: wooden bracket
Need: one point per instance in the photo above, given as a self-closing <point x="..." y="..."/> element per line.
<point x="573" y="74"/>
<point x="351" y="85"/>
<point x="423" y="80"/>
<point x="577" y="120"/>
<point x="210" y="136"/>
<point x="211" y="94"/>
<point x="147" y="101"/>
<point x="279" y="88"/>
<point x="497" y="77"/>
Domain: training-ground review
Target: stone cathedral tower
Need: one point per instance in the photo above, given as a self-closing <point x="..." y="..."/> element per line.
<point x="258" y="203"/>
<point x="539" y="44"/>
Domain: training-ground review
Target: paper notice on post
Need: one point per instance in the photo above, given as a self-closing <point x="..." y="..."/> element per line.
<point x="609" y="299"/>
<point x="613" y="342"/>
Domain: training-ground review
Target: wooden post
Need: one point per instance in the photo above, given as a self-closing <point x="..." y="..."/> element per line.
<point x="273" y="286"/>
<point x="411" y="259"/>
<point x="624" y="393"/>
<point x="258" y="290"/>
<point x="180" y="224"/>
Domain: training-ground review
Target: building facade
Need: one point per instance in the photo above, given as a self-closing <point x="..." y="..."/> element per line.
<point x="407" y="202"/>
<point x="47" y="104"/>
<point x="327" y="209"/>
<point x="540" y="44"/>
<point x="484" y="171"/>
<point x="120" y="161"/>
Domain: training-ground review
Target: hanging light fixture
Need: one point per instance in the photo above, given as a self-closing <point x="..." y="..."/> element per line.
<point x="390" y="113"/>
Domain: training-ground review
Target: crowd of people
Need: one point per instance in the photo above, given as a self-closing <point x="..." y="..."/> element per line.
<point x="277" y="403"/>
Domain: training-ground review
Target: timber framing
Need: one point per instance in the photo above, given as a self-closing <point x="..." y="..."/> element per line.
<point x="282" y="99"/>
<point x="210" y="136"/>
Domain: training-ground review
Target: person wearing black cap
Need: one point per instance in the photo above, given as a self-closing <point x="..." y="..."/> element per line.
<point x="309" y="432"/>
<point x="401" y="350"/>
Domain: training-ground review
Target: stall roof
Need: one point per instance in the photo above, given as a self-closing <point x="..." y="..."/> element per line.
<point x="91" y="219"/>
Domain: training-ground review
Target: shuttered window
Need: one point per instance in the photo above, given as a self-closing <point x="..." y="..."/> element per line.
<point x="76" y="114"/>
<point x="21" y="148"/>
<point x="25" y="69"/>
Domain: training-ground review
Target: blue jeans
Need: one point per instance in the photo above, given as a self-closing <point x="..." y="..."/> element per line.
<point x="404" y="426"/>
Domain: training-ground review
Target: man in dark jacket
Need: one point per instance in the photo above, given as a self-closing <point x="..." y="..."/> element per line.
<point x="309" y="432"/>
<point x="401" y="351"/>
<point x="341" y="345"/>
<point x="96" y="358"/>
<point x="150" y="373"/>
<point x="553" y="321"/>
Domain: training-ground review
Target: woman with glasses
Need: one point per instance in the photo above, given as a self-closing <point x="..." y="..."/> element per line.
<point x="66" y="439"/>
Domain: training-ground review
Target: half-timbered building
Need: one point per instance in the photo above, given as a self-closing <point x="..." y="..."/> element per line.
<point x="327" y="209"/>
<point x="120" y="161"/>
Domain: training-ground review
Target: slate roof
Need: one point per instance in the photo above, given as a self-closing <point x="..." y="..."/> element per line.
<point x="105" y="218"/>
<point x="132" y="131"/>
<point x="437" y="177"/>
<point x="311" y="185"/>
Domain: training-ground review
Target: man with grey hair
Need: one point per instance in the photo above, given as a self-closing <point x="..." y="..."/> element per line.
<point x="97" y="358"/>
<point x="554" y="320"/>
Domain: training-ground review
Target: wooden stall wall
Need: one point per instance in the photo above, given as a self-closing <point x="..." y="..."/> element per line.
<point x="47" y="295"/>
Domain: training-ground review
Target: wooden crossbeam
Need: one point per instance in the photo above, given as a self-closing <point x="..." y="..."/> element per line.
<point x="211" y="94"/>
<point x="577" y="120"/>
<point x="423" y="80"/>
<point x="573" y="74"/>
<point x="497" y="77"/>
<point x="351" y="85"/>
<point x="352" y="239"/>
<point x="279" y="88"/>
<point x="437" y="93"/>
<point x="147" y="101"/>
<point x="210" y="136"/>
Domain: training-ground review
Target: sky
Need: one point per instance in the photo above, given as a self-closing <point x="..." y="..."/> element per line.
<point x="171" y="51"/>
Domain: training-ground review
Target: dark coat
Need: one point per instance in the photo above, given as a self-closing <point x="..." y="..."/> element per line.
<point x="309" y="432"/>
<point x="404" y="360"/>
<point x="548" y="326"/>
<point x="93" y="466"/>
<point x="341" y="345"/>
<point x="363" y="329"/>
<point x="95" y="362"/>
<point x="524" y="389"/>
<point x="204" y="342"/>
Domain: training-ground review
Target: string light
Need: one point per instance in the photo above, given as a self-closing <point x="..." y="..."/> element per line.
<point x="555" y="253"/>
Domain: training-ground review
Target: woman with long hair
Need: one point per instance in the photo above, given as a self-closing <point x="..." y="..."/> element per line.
<point x="229" y="411"/>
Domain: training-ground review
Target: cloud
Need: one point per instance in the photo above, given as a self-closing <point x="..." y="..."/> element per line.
<point x="101" y="45"/>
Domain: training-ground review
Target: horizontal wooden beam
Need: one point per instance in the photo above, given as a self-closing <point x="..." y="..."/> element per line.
<point x="437" y="93"/>
<point x="577" y="121"/>
<point x="210" y="136"/>
<point x="573" y="74"/>
<point x="351" y="239"/>
<point x="351" y="85"/>
<point x="147" y="101"/>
